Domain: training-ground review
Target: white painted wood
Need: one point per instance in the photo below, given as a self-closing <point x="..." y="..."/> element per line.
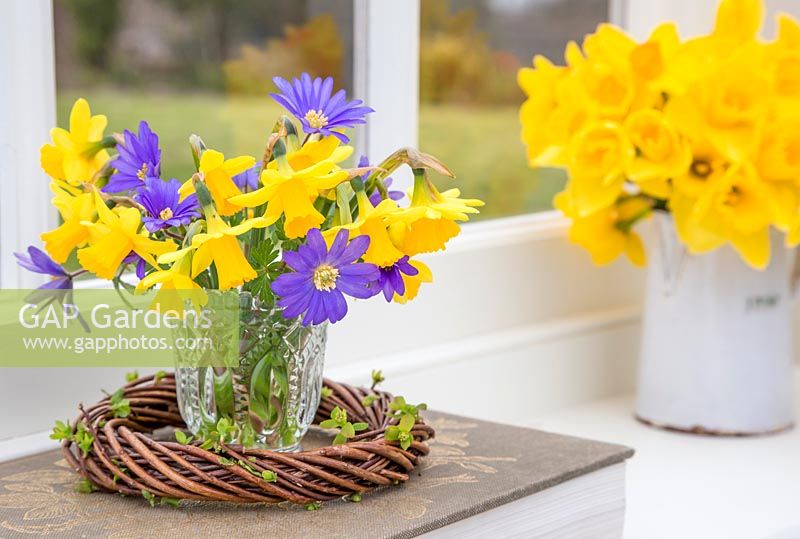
<point x="520" y="373"/>
<point x="717" y="339"/>
<point x="27" y="112"/>
<point x="687" y="486"/>
<point x="387" y="76"/>
<point x="693" y="17"/>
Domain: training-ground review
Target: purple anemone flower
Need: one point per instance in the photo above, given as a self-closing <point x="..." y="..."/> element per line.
<point x="248" y="180"/>
<point x="161" y="200"/>
<point x="319" y="111"/>
<point x="37" y="261"/>
<point x="390" y="281"/>
<point x="141" y="265"/>
<point x="322" y="277"/>
<point x="375" y="197"/>
<point x="139" y="158"/>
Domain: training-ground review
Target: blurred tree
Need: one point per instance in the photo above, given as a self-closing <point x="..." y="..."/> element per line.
<point x="315" y="47"/>
<point x="457" y="63"/>
<point x="96" y="22"/>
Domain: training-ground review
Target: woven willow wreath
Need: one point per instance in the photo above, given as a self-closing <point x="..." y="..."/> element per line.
<point x="125" y="458"/>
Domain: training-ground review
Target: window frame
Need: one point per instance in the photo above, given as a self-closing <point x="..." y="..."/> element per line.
<point x="512" y="275"/>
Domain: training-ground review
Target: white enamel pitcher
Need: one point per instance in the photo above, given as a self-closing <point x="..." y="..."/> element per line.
<point x="717" y="351"/>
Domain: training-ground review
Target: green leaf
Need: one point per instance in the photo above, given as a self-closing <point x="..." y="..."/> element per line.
<point x="207" y="444"/>
<point x="407" y="422"/>
<point x="392" y="433"/>
<point x="120" y="406"/>
<point x="131" y="376"/>
<point x="313" y="506"/>
<point x="326" y="392"/>
<point x="226" y="461"/>
<point x="339" y="439"/>
<point x="84" y="486"/>
<point x="405" y="440"/>
<point x="159" y="376"/>
<point x="360" y="426"/>
<point x="369" y="400"/>
<point x="339" y="415"/>
<point x="151" y="499"/>
<point x="377" y="378"/>
<point x="174" y="502"/>
<point x="269" y="475"/>
<point x="83" y="438"/>
<point x="354" y="498"/>
<point x="62" y="431"/>
<point x="329" y="424"/>
<point x="181" y="437"/>
<point x="397" y="403"/>
<point x="348" y="431"/>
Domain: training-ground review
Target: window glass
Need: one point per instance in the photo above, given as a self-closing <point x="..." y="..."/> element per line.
<point x="470" y="51"/>
<point x="196" y="66"/>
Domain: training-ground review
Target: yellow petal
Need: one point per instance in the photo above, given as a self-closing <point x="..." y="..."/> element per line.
<point x="237" y="165"/>
<point x="739" y="20"/>
<point x="79" y="119"/>
<point x="753" y="248"/>
<point x="210" y="160"/>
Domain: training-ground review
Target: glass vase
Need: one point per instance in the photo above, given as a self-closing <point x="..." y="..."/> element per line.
<point x="271" y="397"/>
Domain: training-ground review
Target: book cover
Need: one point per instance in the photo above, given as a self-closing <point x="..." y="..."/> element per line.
<point x="474" y="466"/>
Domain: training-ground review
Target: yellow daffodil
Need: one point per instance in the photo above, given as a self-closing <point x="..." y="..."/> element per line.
<point x="549" y="116"/>
<point x="604" y="73"/>
<point x="218" y="245"/>
<point x="661" y="154"/>
<point x="315" y="151"/>
<point x="598" y="158"/>
<point x="784" y="59"/>
<point x="372" y="222"/>
<point x="728" y="106"/>
<point x="176" y="283"/>
<point x="607" y="233"/>
<point x="74" y="211"/>
<point x="413" y="282"/>
<point x="218" y="174"/>
<point x="429" y="222"/>
<point x="291" y="192"/>
<point x="118" y="235"/>
<point x="737" y="207"/>
<point x="650" y="63"/>
<point x="738" y="21"/>
<point x="75" y="156"/>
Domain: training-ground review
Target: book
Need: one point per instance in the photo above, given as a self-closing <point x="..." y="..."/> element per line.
<point x="481" y="479"/>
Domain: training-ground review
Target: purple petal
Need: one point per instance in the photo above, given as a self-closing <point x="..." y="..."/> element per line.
<point x="361" y="269"/>
<point x="296" y="262"/>
<point x="335" y="305"/>
<point x="355" y="287"/>
<point x="291" y="283"/>
<point x="355" y="250"/>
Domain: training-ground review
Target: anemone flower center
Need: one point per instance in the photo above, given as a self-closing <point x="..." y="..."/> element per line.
<point x="325" y="277"/>
<point x="142" y="174"/>
<point x="165" y="214"/>
<point x="316" y="119"/>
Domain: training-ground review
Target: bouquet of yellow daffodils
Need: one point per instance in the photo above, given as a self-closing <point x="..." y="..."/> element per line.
<point x="295" y="230"/>
<point x="707" y="129"/>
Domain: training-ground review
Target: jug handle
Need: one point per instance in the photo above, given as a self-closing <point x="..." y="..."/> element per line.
<point x="794" y="276"/>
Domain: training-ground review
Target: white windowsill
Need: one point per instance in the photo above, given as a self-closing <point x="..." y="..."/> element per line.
<point x="681" y="485"/>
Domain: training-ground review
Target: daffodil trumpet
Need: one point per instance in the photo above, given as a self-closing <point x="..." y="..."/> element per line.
<point x="704" y="128"/>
